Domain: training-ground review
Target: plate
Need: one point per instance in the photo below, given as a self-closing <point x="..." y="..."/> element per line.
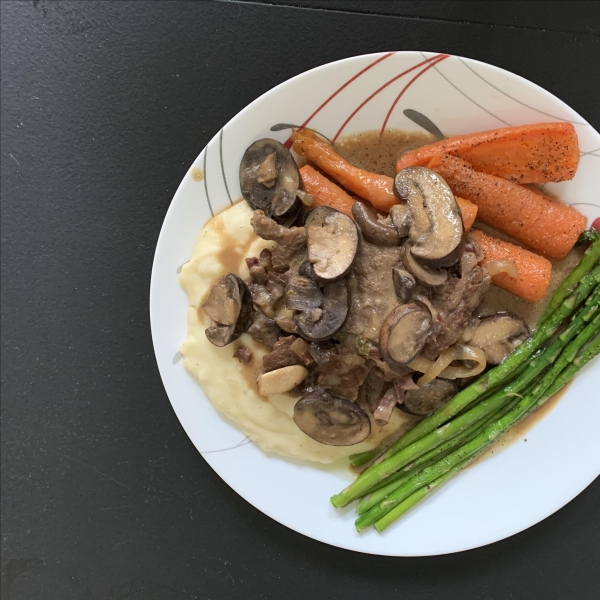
<point x="506" y="493"/>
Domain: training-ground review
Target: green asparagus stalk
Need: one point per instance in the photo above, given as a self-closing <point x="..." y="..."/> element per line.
<point x="590" y="258"/>
<point x="592" y="301"/>
<point x="386" y="464"/>
<point x="390" y="484"/>
<point x="470" y="450"/>
<point x="404" y="506"/>
<point x="564" y="377"/>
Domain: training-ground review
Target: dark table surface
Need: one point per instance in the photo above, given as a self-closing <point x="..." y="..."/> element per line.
<point x="104" y="107"/>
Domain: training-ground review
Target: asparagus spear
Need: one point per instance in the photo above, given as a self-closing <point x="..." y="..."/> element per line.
<point x="390" y="484"/>
<point x="425" y="436"/>
<point x="590" y="258"/>
<point x="404" y="506"/>
<point x="470" y="450"/>
<point x="590" y="352"/>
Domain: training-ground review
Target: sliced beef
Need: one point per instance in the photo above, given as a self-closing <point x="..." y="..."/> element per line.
<point x="291" y="240"/>
<point x="282" y="355"/>
<point x="267" y="296"/>
<point x="243" y="354"/>
<point x="264" y="330"/>
<point x="455" y="302"/>
<point x="341" y="370"/>
<point x="372" y="289"/>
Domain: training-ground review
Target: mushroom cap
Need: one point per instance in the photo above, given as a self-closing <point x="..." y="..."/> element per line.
<point x="437" y="230"/>
<point x="229" y="305"/>
<point x="423" y="273"/>
<point x="331" y="419"/>
<point x="404" y="333"/>
<point x="498" y="335"/>
<point x="270" y="179"/>
<point x="334" y="311"/>
<point x="332" y="241"/>
<point x="374" y="230"/>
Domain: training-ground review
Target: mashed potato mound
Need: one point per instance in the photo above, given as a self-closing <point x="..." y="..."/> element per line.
<point x="223" y="244"/>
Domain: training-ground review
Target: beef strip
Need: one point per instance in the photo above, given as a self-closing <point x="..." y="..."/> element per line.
<point x="455" y="302"/>
<point x="243" y="354"/>
<point x="282" y="355"/>
<point x="372" y="289"/>
<point x="341" y="370"/>
<point x="267" y="296"/>
<point x="264" y="329"/>
<point x="291" y="240"/>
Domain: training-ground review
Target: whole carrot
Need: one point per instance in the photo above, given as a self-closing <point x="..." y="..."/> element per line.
<point x="526" y="153"/>
<point x="543" y="224"/>
<point x="533" y="271"/>
<point x="325" y="192"/>
<point x="377" y="189"/>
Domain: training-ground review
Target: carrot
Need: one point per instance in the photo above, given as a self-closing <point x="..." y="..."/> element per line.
<point x="325" y="192"/>
<point x="468" y="210"/>
<point x="377" y="189"/>
<point x="527" y="153"/>
<point x="533" y="270"/>
<point x="545" y="225"/>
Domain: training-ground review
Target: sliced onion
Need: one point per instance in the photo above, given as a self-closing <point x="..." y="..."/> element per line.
<point x="477" y="355"/>
<point x="420" y="364"/>
<point x="502" y="266"/>
<point x="441" y="367"/>
<point x="443" y="361"/>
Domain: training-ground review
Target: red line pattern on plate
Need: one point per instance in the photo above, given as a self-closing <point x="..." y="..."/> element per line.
<point x="432" y="64"/>
<point x="429" y="60"/>
<point x="288" y="144"/>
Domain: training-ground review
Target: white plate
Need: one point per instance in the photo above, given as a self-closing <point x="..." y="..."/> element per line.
<point x="490" y="501"/>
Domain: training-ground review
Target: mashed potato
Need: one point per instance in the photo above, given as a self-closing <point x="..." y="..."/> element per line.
<point x="223" y="244"/>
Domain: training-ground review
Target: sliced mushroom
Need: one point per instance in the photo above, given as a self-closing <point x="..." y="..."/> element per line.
<point x="269" y="179"/>
<point x="332" y="245"/>
<point x="281" y="380"/>
<point x="426" y="399"/>
<point x="401" y="218"/>
<point x="330" y="419"/>
<point x="403" y="333"/>
<point x="230" y="306"/>
<point x="374" y="229"/>
<point x="302" y="293"/>
<point x="424" y="274"/>
<point x="334" y="311"/>
<point x="499" y="335"/>
<point x="437" y="231"/>
<point x="404" y="284"/>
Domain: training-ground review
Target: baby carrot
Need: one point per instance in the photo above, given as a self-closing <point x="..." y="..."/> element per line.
<point x="325" y="192"/>
<point x="545" y="225"/>
<point x="377" y="189"/>
<point x="468" y="211"/>
<point x="533" y="270"/>
<point x="526" y="154"/>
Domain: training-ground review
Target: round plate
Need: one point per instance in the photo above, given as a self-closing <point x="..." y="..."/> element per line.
<point x="496" y="498"/>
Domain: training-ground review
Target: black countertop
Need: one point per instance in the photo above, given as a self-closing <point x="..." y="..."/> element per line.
<point x="104" y="107"/>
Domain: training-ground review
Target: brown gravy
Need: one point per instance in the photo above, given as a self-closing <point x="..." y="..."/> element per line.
<point x="518" y="432"/>
<point x="379" y="153"/>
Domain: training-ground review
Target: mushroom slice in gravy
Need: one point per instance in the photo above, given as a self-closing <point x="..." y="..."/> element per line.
<point x="270" y="179"/>
<point x="330" y="419"/>
<point x="499" y="335"/>
<point x="229" y="305"/>
<point x="332" y="240"/>
<point x="404" y="332"/>
<point x="375" y="230"/>
<point x="437" y="230"/>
